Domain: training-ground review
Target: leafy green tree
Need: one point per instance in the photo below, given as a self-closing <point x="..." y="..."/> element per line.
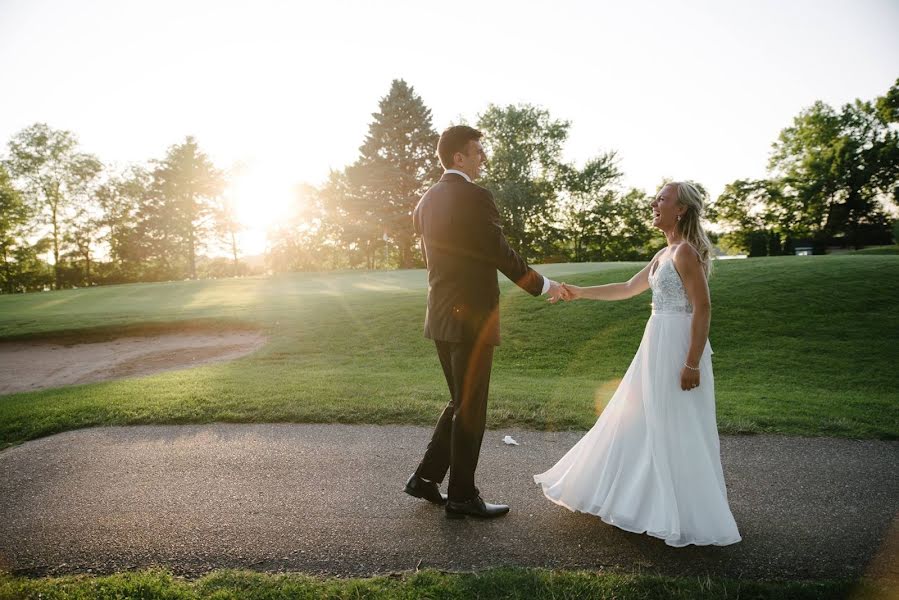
<point x="839" y="165"/>
<point x="227" y="222"/>
<point x="186" y="187"/>
<point x="30" y="272"/>
<point x="83" y="234"/>
<point x="756" y="216"/>
<point x="53" y="176"/>
<point x="832" y="172"/>
<point x="21" y="268"/>
<point x="622" y="228"/>
<point x="524" y="171"/>
<point x="354" y="222"/>
<point x="302" y="242"/>
<point x="120" y="199"/>
<point x="586" y="192"/>
<point x="631" y="235"/>
<point x="228" y="226"/>
<point x="14" y="220"/>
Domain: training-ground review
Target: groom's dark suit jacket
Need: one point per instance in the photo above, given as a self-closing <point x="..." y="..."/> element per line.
<point x="464" y="245"/>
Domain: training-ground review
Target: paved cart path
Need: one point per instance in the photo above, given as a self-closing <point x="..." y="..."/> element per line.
<point x="327" y="499"/>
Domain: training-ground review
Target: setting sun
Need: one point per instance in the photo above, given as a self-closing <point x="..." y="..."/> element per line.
<point x="261" y="198"/>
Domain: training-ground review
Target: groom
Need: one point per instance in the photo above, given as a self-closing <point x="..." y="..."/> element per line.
<point x="463" y="245"/>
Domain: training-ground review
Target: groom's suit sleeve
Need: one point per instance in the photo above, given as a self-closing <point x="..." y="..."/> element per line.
<point x="492" y="245"/>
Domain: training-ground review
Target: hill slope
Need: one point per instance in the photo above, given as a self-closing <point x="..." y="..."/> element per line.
<point x="803" y="345"/>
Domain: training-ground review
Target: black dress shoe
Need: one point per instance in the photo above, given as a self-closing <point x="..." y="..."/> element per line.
<point x="476" y="507"/>
<point x="427" y="490"/>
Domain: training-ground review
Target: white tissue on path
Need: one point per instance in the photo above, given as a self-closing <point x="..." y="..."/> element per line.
<point x="508" y="440"/>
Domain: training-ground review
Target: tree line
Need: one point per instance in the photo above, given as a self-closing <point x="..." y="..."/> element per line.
<point x="152" y="220"/>
<point x="830" y="172"/>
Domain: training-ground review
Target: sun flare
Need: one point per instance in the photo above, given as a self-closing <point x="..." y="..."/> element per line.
<point x="260" y="199"/>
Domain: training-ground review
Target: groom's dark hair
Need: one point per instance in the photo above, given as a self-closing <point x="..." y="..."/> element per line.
<point x="454" y="140"/>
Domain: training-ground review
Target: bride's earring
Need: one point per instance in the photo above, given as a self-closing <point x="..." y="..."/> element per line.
<point x="678" y="217"/>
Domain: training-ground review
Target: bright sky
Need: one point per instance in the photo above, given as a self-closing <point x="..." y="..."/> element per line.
<point x="693" y="89"/>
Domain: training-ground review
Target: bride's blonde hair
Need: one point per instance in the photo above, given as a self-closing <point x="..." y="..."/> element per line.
<point x="693" y="196"/>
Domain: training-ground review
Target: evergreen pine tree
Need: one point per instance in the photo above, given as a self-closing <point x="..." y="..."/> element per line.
<point x="186" y="186"/>
<point x="397" y="163"/>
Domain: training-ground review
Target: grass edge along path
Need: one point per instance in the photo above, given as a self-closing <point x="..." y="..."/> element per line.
<point x="517" y="583"/>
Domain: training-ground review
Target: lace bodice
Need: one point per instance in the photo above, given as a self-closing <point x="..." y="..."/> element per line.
<point x="668" y="293"/>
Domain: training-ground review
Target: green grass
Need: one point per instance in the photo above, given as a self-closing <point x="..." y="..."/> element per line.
<point x="525" y="584"/>
<point x="803" y="345"/>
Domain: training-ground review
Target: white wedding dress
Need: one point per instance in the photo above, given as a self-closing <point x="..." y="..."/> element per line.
<point x="651" y="462"/>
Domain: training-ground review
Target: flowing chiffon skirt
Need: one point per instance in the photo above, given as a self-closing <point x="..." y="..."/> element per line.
<point x="651" y="463"/>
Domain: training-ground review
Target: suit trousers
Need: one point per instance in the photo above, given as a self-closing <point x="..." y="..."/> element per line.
<point x="456" y="442"/>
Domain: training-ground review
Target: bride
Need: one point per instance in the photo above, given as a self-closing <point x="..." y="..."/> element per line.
<point x="651" y="462"/>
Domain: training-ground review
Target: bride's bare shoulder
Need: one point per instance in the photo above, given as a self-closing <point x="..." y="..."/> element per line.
<point x="684" y="251"/>
<point x="686" y="260"/>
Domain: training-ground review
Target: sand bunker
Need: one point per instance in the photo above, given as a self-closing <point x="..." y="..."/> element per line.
<point x="29" y="366"/>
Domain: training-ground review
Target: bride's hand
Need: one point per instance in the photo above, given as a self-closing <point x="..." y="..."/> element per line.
<point x="689" y="378"/>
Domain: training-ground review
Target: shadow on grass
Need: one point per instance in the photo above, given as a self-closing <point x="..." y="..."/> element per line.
<point x="105" y="333"/>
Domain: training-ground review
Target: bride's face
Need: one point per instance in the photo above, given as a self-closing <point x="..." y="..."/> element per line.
<point x="665" y="208"/>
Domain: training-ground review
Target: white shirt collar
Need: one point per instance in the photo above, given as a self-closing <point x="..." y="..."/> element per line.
<point x="455" y="172"/>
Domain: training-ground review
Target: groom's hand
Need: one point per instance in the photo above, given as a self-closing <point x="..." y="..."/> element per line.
<point x="555" y="292"/>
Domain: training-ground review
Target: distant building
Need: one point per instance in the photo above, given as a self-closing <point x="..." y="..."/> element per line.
<point x="804" y="247"/>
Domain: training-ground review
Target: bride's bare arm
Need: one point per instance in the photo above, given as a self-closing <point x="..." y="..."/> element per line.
<point x="637" y="284"/>
<point x="696" y="285"/>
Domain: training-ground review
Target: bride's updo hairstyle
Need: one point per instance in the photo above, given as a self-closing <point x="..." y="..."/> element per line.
<point x="690" y="225"/>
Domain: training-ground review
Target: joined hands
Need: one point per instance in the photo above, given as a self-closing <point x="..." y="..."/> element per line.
<point x="563" y="291"/>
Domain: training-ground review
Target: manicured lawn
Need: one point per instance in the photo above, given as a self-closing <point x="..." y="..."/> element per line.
<point x="803" y="345"/>
<point x="524" y="584"/>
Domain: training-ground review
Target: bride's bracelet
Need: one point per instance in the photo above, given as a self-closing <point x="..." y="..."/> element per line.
<point x="691" y="368"/>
